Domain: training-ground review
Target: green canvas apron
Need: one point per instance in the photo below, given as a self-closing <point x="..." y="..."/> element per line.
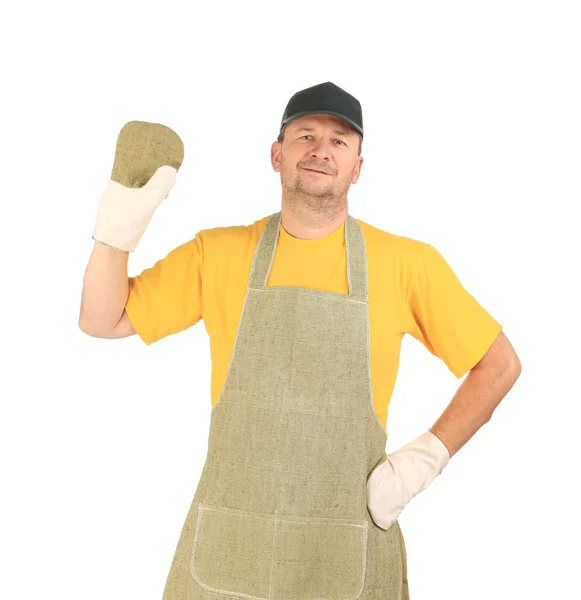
<point x="280" y="511"/>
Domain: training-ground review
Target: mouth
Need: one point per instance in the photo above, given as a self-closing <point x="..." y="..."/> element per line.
<point x="313" y="171"/>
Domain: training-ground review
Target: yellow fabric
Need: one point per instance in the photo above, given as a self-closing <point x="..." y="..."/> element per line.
<point x="411" y="288"/>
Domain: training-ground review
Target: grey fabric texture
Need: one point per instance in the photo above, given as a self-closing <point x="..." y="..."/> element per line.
<point x="280" y="511"/>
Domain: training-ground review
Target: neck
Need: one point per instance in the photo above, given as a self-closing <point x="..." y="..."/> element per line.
<point x="306" y="223"/>
<point x="309" y="226"/>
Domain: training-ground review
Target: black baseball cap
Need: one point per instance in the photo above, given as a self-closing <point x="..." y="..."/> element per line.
<point x="325" y="98"/>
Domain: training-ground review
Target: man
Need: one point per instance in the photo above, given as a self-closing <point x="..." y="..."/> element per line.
<point x="306" y="309"/>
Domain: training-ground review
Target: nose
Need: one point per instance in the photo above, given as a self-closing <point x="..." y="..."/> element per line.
<point x="321" y="148"/>
<point x="320" y="153"/>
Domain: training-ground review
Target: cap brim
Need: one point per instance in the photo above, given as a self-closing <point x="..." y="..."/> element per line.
<point x="323" y="112"/>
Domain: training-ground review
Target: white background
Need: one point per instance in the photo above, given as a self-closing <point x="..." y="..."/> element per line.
<point x="472" y="143"/>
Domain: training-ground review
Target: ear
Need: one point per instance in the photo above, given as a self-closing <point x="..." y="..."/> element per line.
<point x="275" y="152"/>
<point x="357" y="170"/>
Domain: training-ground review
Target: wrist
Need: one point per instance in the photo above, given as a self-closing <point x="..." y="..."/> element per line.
<point x="436" y="447"/>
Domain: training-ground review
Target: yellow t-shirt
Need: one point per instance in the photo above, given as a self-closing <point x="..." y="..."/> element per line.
<point x="411" y="289"/>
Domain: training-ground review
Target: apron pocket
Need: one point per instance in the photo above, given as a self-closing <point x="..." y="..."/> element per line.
<point x="232" y="551"/>
<point x="318" y="558"/>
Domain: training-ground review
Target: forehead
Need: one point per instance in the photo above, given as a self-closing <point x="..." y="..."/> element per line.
<point x="312" y="121"/>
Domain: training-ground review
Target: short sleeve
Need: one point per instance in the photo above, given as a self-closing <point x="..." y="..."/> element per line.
<point x="167" y="298"/>
<point x="447" y="319"/>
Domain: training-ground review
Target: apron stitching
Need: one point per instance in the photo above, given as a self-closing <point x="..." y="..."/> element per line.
<point x="368" y="350"/>
<point x="348" y="257"/>
<point x="277" y="220"/>
<point x="246" y="295"/>
<point x="364" y="544"/>
<point x="351" y="225"/>
<point x="233" y="348"/>
<point x="297" y="520"/>
<point x="273" y="226"/>
<point x="304" y="291"/>
<point x="383" y="429"/>
<point x="195" y="574"/>
<point x="272" y="558"/>
<point x="201" y="508"/>
<point x="261" y="241"/>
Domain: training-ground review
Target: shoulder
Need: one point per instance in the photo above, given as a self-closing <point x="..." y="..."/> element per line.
<point x="388" y="244"/>
<point x="231" y="240"/>
<point x="235" y="231"/>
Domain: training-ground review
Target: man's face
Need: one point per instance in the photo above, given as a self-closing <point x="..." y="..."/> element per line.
<point x="318" y="142"/>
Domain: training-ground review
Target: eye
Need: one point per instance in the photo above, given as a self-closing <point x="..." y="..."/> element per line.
<point x="304" y="136"/>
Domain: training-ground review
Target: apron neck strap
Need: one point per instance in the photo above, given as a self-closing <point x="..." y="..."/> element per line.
<point x="354" y="243"/>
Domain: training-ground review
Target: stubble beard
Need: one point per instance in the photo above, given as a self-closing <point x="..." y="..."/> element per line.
<point x="314" y="203"/>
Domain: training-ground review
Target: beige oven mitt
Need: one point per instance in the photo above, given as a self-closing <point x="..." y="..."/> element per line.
<point x="403" y="475"/>
<point x="147" y="159"/>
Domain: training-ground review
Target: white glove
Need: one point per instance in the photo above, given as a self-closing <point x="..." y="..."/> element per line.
<point x="124" y="213"/>
<point x="404" y="474"/>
